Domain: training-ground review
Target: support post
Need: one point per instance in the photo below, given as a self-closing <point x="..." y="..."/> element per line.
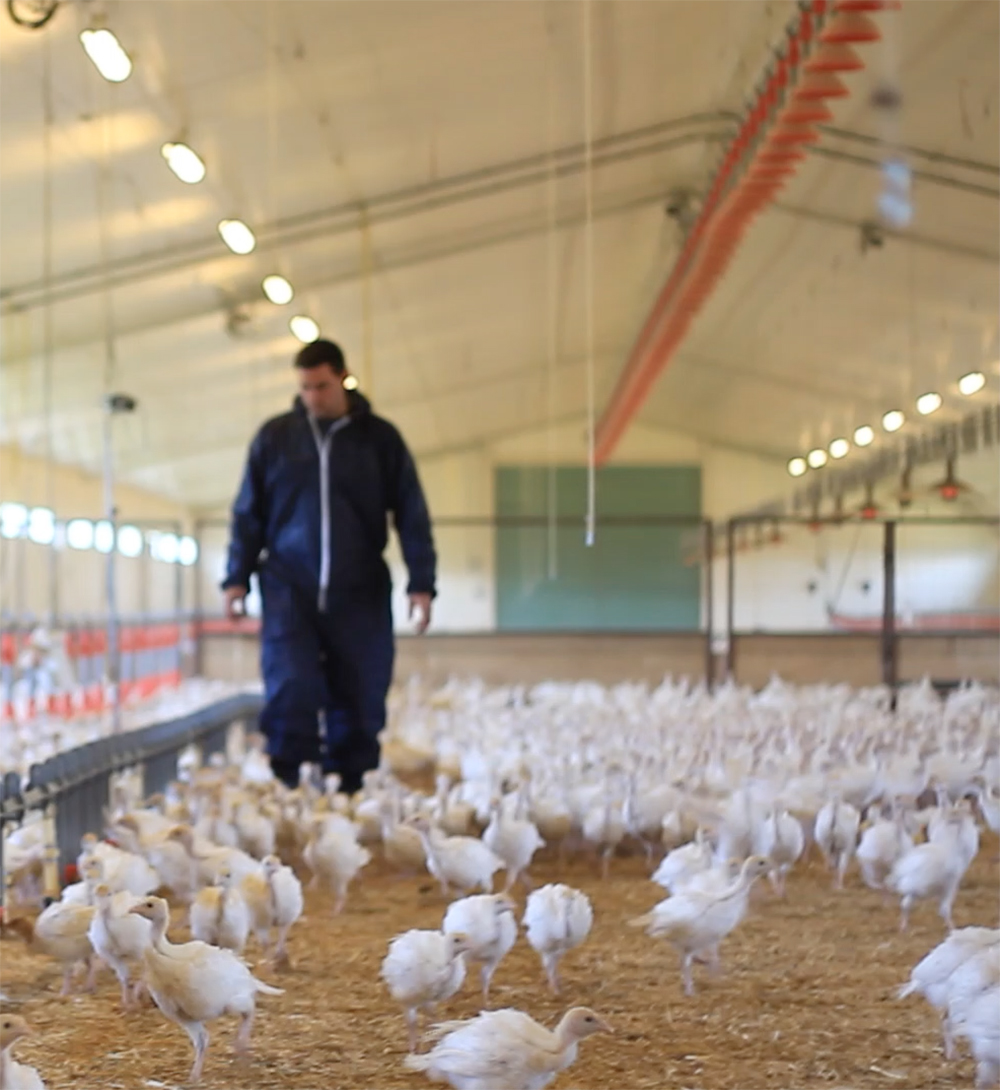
<point x="178" y="618"/>
<point x="730" y="597"/>
<point x="708" y="554"/>
<point x="112" y="662"/>
<point x="197" y="611"/>
<point x="890" y="666"/>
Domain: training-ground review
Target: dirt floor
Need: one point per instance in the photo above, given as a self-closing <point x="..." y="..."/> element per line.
<point x="806" y="999"/>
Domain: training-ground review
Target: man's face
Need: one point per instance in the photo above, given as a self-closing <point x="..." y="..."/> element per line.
<point x="322" y="391"/>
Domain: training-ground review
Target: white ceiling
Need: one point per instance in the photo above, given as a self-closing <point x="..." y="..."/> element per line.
<point x="392" y="158"/>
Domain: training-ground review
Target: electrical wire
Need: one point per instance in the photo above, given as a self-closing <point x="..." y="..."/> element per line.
<point x="47" y="331"/>
<point x="113" y="654"/>
<point x="552" y="330"/>
<point x="588" y="266"/>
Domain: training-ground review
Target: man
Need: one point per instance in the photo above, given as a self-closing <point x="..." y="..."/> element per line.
<point x="311" y="520"/>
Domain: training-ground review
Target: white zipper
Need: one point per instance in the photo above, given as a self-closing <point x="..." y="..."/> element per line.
<point x="323" y="450"/>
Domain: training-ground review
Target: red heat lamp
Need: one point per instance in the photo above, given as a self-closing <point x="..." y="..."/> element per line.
<point x="950" y="487"/>
<point x="869" y="509"/>
<point x="814" y="523"/>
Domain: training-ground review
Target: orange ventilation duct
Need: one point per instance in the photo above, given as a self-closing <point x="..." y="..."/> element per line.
<point x="763" y="156"/>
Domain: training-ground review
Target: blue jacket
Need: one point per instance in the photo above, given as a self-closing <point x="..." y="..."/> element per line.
<point x="279" y="510"/>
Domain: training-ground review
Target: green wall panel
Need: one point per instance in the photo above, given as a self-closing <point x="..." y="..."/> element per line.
<point x="633" y="578"/>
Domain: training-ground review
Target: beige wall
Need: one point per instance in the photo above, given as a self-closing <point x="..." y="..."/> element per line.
<point x="510" y="659"/>
<point x="76" y="493"/>
<point x="973" y="657"/>
<point x="35" y="579"/>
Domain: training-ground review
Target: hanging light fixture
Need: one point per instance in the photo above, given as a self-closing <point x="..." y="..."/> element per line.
<point x="971" y="383"/>
<point x="928" y="403"/>
<point x="797" y="466"/>
<point x="893" y="420"/>
<point x="237" y="236"/>
<point x="839" y="448"/>
<point x="277" y="289"/>
<point x="109" y="58"/>
<point x="184" y="162"/>
<point x="304" y="328"/>
<point x="817" y="458"/>
<point x="864" y="436"/>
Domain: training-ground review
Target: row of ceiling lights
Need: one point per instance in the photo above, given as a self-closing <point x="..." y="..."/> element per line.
<point x="892" y="421"/>
<point x="115" y="65"/>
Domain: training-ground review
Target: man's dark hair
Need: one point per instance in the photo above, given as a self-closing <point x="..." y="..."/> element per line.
<point x="319" y="352"/>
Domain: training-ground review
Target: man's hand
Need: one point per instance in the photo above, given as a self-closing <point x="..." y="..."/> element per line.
<point x="236" y="607"/>
<point x="421" y="603"/>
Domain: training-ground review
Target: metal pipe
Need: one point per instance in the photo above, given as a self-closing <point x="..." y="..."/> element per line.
<point x="676" y="520"/>
<point x="905" y="238"/>
<point x="347" y="218"/>
<point x="924" y="175"/>
<point x="912" y="151"/>
<point x="438" y="250"/>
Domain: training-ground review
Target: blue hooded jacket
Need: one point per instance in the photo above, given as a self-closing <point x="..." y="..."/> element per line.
<point x="279" y="510"/>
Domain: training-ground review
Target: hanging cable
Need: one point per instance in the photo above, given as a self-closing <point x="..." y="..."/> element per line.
<point x="588" y="266"/>
<point x="268" y="363"/>
<point x="367" y="325"/>
<point x="113" y="657"/>
<point x="47" y="363"/>
<point x="552" y="311"/>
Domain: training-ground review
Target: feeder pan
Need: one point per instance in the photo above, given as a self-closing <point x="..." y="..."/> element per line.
<point x="834" y="57"/>
<point x="850" y="26"/>
<point x="868" y="5"/>
<point x="819" y="85"/>
<point x="793" y="134"/>
<point x="805" y="113"/>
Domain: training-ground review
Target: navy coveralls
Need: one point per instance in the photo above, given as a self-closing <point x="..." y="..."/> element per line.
<point x="311" y="520"/>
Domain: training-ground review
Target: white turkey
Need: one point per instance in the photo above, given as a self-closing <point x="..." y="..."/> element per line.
<point x="505" y="1049"/>
<point x="487" y="920"/>
<point x="695" y="923"/>
<point x="422" y="969"/>
<point x="836" y="834"/>
<point x="557" y="919"/>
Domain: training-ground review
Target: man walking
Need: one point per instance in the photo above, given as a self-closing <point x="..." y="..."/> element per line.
<point x="311" y="520"/>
